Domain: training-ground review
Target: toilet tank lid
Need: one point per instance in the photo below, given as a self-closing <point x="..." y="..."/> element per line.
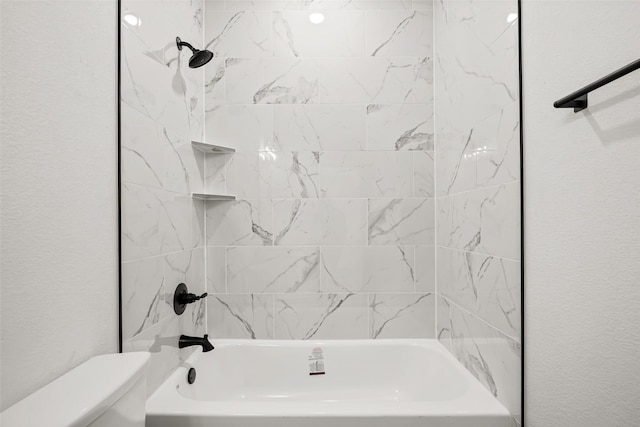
<point x="78" y="397"/>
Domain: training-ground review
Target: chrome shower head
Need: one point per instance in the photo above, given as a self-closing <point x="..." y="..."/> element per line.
<point x="199" y="57"/>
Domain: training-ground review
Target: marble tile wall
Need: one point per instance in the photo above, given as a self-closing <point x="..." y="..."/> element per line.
<point x="332" y="235"/>
<point x="477" y="188"/>
<point x="163" y="241"/>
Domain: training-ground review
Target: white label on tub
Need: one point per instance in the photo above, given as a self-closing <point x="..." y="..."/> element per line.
<point x="316" y="362"/>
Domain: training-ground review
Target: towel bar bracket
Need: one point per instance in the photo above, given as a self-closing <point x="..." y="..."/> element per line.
<point x="578" y="104"/>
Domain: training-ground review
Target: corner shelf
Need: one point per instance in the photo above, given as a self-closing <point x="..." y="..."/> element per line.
<point x="211" y="149"/>
<point x="220" y="197"/>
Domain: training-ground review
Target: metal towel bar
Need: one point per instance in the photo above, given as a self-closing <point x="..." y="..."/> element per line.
<point x="578" y="99"/>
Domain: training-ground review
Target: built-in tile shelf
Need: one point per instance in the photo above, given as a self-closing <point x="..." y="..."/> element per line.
<point x="212" y="149"/>
<point x="204" y="196"/>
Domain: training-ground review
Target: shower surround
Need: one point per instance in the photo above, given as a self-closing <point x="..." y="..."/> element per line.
<point x="477" y="183"/>
<point x="162" y="110"/>
<point x="347" y="204"/>
<point x="332" y="235"/>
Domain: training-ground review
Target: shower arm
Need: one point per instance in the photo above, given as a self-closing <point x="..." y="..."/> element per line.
<point x="180" y="43"/>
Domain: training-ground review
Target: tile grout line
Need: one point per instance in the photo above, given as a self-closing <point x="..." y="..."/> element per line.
<point x="204" y="177"/>
<point x="271" y="200"/>
<point x="500" y="331"/>
<point x="226" y="272"/>
<point x="488" y="187"/>
<point x="478" y="253"/>
<point x="435" y="182"/>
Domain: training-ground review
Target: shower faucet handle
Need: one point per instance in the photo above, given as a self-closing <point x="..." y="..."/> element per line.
<point x="191" y="298"/>
<point x="182" y="297"/>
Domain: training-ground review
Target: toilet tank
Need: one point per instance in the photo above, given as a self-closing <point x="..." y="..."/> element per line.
<point x="108" y="390"/>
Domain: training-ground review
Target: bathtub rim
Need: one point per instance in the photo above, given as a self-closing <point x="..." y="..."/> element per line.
<point x="477" y="400"/>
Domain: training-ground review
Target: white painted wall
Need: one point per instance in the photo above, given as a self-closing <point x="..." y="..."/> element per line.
<point x="59" y="192"/>
<point x="582" y="217"/>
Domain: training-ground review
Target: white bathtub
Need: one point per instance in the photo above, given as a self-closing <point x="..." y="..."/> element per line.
<point x="372" y="383"/>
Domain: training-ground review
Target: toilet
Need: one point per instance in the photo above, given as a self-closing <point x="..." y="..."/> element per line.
<point x="108" y="390"/>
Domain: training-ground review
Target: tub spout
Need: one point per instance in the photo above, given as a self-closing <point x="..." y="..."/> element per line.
<point x="187" y="341"/>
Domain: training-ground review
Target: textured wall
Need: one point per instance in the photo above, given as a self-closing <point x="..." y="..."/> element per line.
<point x="478" y="190"/>
<point x="582" y="217"/>
<point x="59" y="192"/>
<point x="162" y="226"/>
<point x="332" y="235"/>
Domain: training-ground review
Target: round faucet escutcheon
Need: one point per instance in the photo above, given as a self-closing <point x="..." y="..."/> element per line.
<point x="182" y="297"/>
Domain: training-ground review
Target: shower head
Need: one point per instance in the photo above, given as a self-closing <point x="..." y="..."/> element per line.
<point x="199" y="57"/>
